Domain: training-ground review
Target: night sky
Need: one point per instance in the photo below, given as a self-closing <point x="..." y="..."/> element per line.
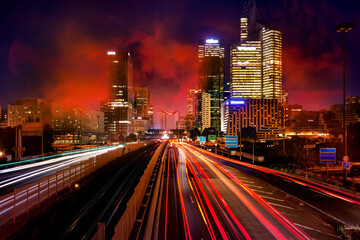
<point x="57" y="49"/>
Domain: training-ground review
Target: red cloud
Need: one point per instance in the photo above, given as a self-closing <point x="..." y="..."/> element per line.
<point x="314" y="82"/>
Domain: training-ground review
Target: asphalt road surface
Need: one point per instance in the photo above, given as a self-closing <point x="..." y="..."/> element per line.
<point x="207" y="196"/>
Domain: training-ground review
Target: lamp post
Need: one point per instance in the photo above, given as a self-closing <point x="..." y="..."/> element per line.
<point x="344" y="28"/>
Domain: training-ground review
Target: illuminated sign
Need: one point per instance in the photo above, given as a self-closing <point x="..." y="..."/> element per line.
<point x="237" y="102"/>
<point x="111" y="53"/>
<point x="212" y="41"/>
<point x="246" y="48"/>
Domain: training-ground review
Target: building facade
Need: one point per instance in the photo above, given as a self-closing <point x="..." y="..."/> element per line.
<point x="142" y="102"/>
<point x="211" y="77"/>
<point x="261" y="114"/>
<point x="256" y="65"/>
<point x="141" y="125"/>
<point x="190" y="101"/>
<point x="119" y="108"/>
<point x="70" y="125"/>
<point x="203" y="110"/>
<point x="256" y="95"/>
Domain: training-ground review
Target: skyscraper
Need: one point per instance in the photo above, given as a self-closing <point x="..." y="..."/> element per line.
<point x="190" y="101"/>
<point x="119" y="109"/>
<point x="272" y="63"/>
<point x="142" y="102"/>
<point x="246" y="70"/>
<point x="211" y="77"/>
<point x="256" y="64"/>
<point x="255" y="78"/>
<point x="202" y="103"/>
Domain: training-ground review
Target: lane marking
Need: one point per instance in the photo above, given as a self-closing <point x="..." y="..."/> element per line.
<point x="276" y="199"/>
<point x="256" y="190"/>
<point x="312" y="229"/>
<point x="254" y="186"/>
<point x="279" y="205"/>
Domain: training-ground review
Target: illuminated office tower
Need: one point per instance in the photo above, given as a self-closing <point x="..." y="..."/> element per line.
<point x="272" y="63"/>
<point x="256" y="65"/>
<point x="202" y="108"/>
<point x="190" y="102"/>
<point x="245" y="70"/>
<point x="255" y="78"/>
<point x="211" y="77"/>
<point x="119" y="109"/>
<point x="142" y="102"/>
<point x="243" y="29"/>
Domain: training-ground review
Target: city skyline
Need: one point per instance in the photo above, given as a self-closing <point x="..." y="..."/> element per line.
<point x="48" y="64"/>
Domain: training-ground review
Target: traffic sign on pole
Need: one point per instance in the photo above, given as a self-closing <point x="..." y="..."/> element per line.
<point x="345" y="165"/>
<point x="202" y="139"/>
<point x="211" y="137"/>
<point x="327" y="155"/>
<point x="345" y="158"/>
<point x="231" y="141"/>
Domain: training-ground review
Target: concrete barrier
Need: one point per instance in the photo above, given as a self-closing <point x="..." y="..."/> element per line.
<point x="123" y="228"/>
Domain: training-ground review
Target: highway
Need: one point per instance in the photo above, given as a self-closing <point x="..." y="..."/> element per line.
<point x="203" y="198"/>
<point x="340" y="206"/>
<point x="15" y="177"/>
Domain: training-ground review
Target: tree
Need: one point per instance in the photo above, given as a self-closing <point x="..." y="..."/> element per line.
<point x="131" y="138"/>
<point x="208" y="131"/>
<point x="249" y="133"/>
<point x="194" y="133"/>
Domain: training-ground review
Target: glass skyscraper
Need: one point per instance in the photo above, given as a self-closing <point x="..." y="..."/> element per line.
<point x="211" y="77"/>
<point x="118" y="109"/>
<point x="256" y="64"/>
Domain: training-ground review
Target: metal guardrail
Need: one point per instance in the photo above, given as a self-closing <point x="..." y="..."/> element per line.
<point x="38" y="159"/>
<point x="65" y="153"/>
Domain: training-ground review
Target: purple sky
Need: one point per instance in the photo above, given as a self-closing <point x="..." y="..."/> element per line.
<point x="57" y="50"/>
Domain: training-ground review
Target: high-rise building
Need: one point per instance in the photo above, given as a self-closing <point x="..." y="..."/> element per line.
<point x="256" y="64"/>
<point x="211" y="77"/>
<point x="190" y="101"/>
<point x="151" y="115"/>
<point x="118" y="109"/>
<point x="167" y="120"/>
<point x="202" y="110"/>
<point x="271" y="63"/>
<point x="142" y="102"/>
<point x="260" y="114"/>
<point x="255" y="78"/>
<point x="246" y="70"/>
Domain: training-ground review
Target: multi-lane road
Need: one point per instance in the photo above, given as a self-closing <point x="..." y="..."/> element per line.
<point x="207" y="196"/>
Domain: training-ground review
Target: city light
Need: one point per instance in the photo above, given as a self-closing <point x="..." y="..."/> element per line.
<point x="237" y="102"/>
<point x="212" y="41"/>
<point x="246" y="48"/>
<point x="111" y="53"/>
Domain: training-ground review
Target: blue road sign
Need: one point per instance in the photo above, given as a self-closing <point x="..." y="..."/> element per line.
<point x="231" y="141"/>
<point x="327" y="155"/>
<point x="346" y="165"/>
<point x="202" y="139"/>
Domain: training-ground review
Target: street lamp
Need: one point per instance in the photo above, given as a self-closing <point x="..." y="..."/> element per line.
<point x="344" y="28"/>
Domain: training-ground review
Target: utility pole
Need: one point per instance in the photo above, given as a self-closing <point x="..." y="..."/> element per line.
<point x="42" y="141"/>
<point x="253" y="153"/>
<point x="344" y="28"/>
